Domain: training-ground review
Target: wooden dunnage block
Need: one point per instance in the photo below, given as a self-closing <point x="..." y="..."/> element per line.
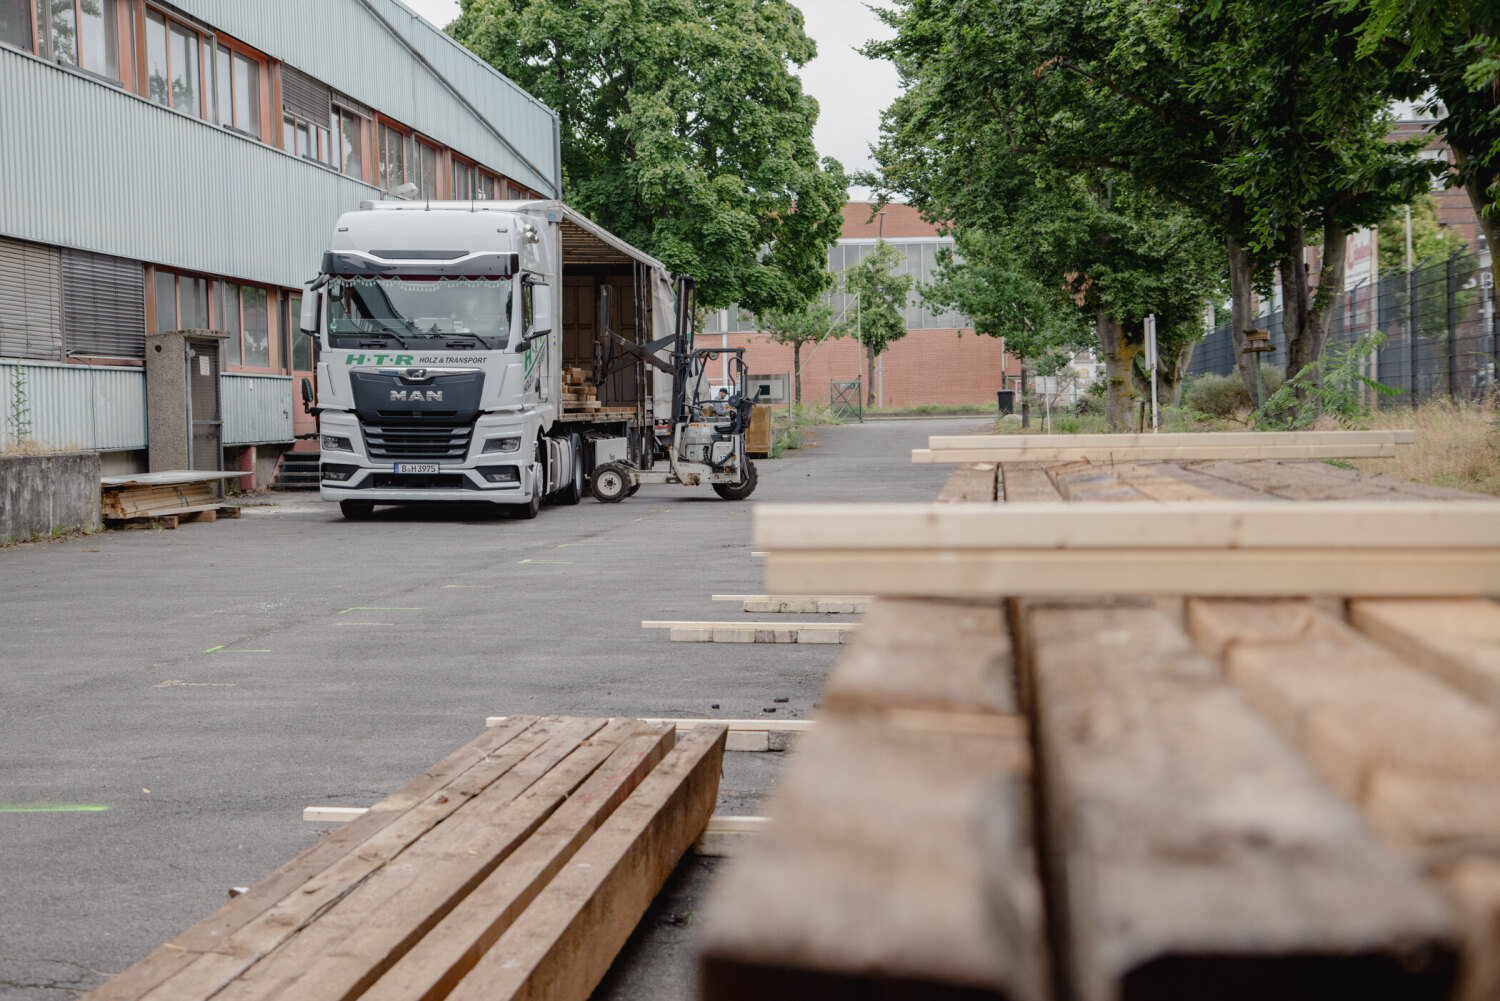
<point x="897" y="865"/>
<point x="564" y="943"/>
<point x="973" y="483"/>
<point x="1191" y="852"/>
<point x="1455" y="640"/>
<point x="382" y="832"/>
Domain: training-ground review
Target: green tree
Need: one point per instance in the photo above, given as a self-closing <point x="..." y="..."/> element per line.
<point x="1447" y="55"/>
<point x="1429" y="240"/>
<point x="1252" y="115"/>
<point x="684" y="130"/>
<point x="882" y="297"/>
<point x="796" y="328"/>
<point x="981" y="281"/>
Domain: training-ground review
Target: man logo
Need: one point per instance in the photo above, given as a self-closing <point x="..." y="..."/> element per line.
<point x="417" y="396"/>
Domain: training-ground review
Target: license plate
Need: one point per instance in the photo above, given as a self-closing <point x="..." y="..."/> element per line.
<point x="416" y="467"/>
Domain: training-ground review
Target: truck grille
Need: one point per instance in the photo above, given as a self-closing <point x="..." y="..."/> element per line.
<point x="418" y="441"/>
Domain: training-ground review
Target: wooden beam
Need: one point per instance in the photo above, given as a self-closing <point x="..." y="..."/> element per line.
<point x="1138" y="453"/>
<point x="1457" y="641"/>
<point x="763" y="604"/>
<point x="1100" y="525"/>
<point x="1026" y="482"/>
<point x="576" y="926"/>
<point x="1023" y="442"/>
<point x="755" y="632"/>
<point x="726" y="836"/>
<point x="896" y="865"/>
<point x="455" y="943"/>
<point x="975" y="483"/>
<point x="765" y="734"/>
<point x="1188" y="844"/>
<point x="1206" y="547"/>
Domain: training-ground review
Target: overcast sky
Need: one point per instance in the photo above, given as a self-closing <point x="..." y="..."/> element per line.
<point x="850" y="89"/>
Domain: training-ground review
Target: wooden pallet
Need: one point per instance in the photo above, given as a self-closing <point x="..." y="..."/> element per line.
<point x="205" y="512"/>
<point x="516" y="867"/>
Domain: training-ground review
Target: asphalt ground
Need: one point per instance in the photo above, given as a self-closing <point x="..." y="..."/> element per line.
<point x="171" y="700"/>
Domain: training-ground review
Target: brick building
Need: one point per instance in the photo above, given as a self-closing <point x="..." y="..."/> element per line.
<point x="941" y="359"/>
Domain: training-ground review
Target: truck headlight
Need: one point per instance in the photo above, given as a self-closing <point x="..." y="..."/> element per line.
<point x="335" y="443"/>
<point x="500" y="474"/>
<point x="510" y="443"/>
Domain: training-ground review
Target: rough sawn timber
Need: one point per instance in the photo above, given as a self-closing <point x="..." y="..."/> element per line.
<point x="1190" y="852"/>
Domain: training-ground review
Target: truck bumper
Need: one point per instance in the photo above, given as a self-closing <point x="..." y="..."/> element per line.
<point x="380" y="485"/>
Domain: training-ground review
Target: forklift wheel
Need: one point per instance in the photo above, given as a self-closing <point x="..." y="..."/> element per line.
<point x="610" y="483"/>
<point x="738" y="491"/>
<point x="633" y="488"/>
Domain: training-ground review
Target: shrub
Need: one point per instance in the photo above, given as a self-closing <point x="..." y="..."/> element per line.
<point x="1226" y="395"/>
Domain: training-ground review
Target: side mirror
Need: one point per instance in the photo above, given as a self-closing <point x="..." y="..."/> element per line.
<point x="310" y="302"/>
<point x="535" y="335"/>
<point x="307" y="394"/>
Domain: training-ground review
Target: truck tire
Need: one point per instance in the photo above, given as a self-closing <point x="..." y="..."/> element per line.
<point x="738" y="491"/>
<point x="356" y="510"/>
<point x="610" y="483"/>
<point x="529" y="511"/>
<point x="572" y="491"/>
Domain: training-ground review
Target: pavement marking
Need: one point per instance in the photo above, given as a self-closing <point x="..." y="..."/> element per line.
<point x="554" y="562"/>
<point x="221" y="648"/>
<point x="446" y="586"/>
<point x="194" y="684"/>
<point x="51" y="808"/>
<point x="565" y="545"/>
<point x="364" y="623"/>
<point x="383" y="608"/>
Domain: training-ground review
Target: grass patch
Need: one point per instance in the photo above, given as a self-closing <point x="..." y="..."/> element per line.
<point x="934" y="408"/>
<point x="1458" y="445"/>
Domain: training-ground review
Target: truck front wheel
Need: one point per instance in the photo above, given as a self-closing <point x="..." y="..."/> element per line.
<point x="738" y="491"/>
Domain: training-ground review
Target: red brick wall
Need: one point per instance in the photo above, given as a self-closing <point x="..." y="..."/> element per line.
<point x="927" y="366"/>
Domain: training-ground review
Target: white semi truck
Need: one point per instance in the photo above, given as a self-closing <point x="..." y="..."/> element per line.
<point x="508" y="352"/>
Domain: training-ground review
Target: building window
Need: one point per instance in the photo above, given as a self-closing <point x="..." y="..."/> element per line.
<point x="257" y="326"/>
<point x="227" y="318"/>
<point x="349" y="143"/>
<point x="309" y="141"/>
<point x="174" y="78"/>
<point x="393" y="158"/>
<point x="295" y="345"/>
<point x="490" y="186"/>
<point x="239" y="90"/>
<point x="15" y="24"/>
<point x="80" y="33"/>
<point x="427" y="170"/>
<point x="181" y="301"/>
<point x="462" y="184"/>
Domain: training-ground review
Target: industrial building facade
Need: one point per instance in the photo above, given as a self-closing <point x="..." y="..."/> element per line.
<point x="940" y="361"/>
<point x="181" y="166"/>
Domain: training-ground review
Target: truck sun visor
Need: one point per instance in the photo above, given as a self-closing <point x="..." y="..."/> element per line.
<point x="427" y="262"/>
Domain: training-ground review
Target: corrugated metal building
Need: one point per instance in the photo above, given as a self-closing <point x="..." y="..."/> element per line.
<point x="181" y="165"/>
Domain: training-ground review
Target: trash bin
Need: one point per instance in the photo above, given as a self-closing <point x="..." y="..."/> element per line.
<point x="1007" y="400"/>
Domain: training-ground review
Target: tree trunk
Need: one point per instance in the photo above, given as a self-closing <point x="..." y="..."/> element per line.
<point x="797" y="372"/>
<point x="1478" y="191"/>
<point x="1119" y="363"/>
<point x="1307" y="308"/>
<point x="1171" y="376"/>
<point x="1242" y="311"/>
<point x="1025" y="394"/>
<point x="870" y="368"/>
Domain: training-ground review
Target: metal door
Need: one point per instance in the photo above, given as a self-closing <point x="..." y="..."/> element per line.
<point x="205" y="418"/>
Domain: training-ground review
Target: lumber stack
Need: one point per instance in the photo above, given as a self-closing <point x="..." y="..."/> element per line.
<point x="579" y="392"/>
<point x="516" y="867"/>
<point x="1176" y="446"/>
<point x="165" y="498"/>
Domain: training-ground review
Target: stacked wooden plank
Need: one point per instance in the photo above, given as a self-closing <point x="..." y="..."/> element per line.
<point x="165" y="498"/>
<point x="579" y="392"/>
<point x="898" y="862"/>
<point x="1177" y="446"/>
<point x="516" y="867"/>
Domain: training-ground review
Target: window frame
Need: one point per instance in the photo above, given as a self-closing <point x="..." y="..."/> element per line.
<point x="338" y="113"/>
<point x="319" y="138"/>
<point x="42" y="44"/>
<point x="457" y="163"/>
<point x="384" y="126"/>
<point x="207" y="79"/>
<point x="262" y="63"/>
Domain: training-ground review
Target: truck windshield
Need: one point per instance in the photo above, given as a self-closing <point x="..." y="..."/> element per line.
<point x="415" y="311"/>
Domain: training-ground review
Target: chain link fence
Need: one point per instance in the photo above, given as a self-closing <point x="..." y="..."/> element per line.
<point x="1438" y="320"/>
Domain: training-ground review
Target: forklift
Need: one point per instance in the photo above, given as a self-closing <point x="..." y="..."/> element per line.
<point x="700" y="440"/>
